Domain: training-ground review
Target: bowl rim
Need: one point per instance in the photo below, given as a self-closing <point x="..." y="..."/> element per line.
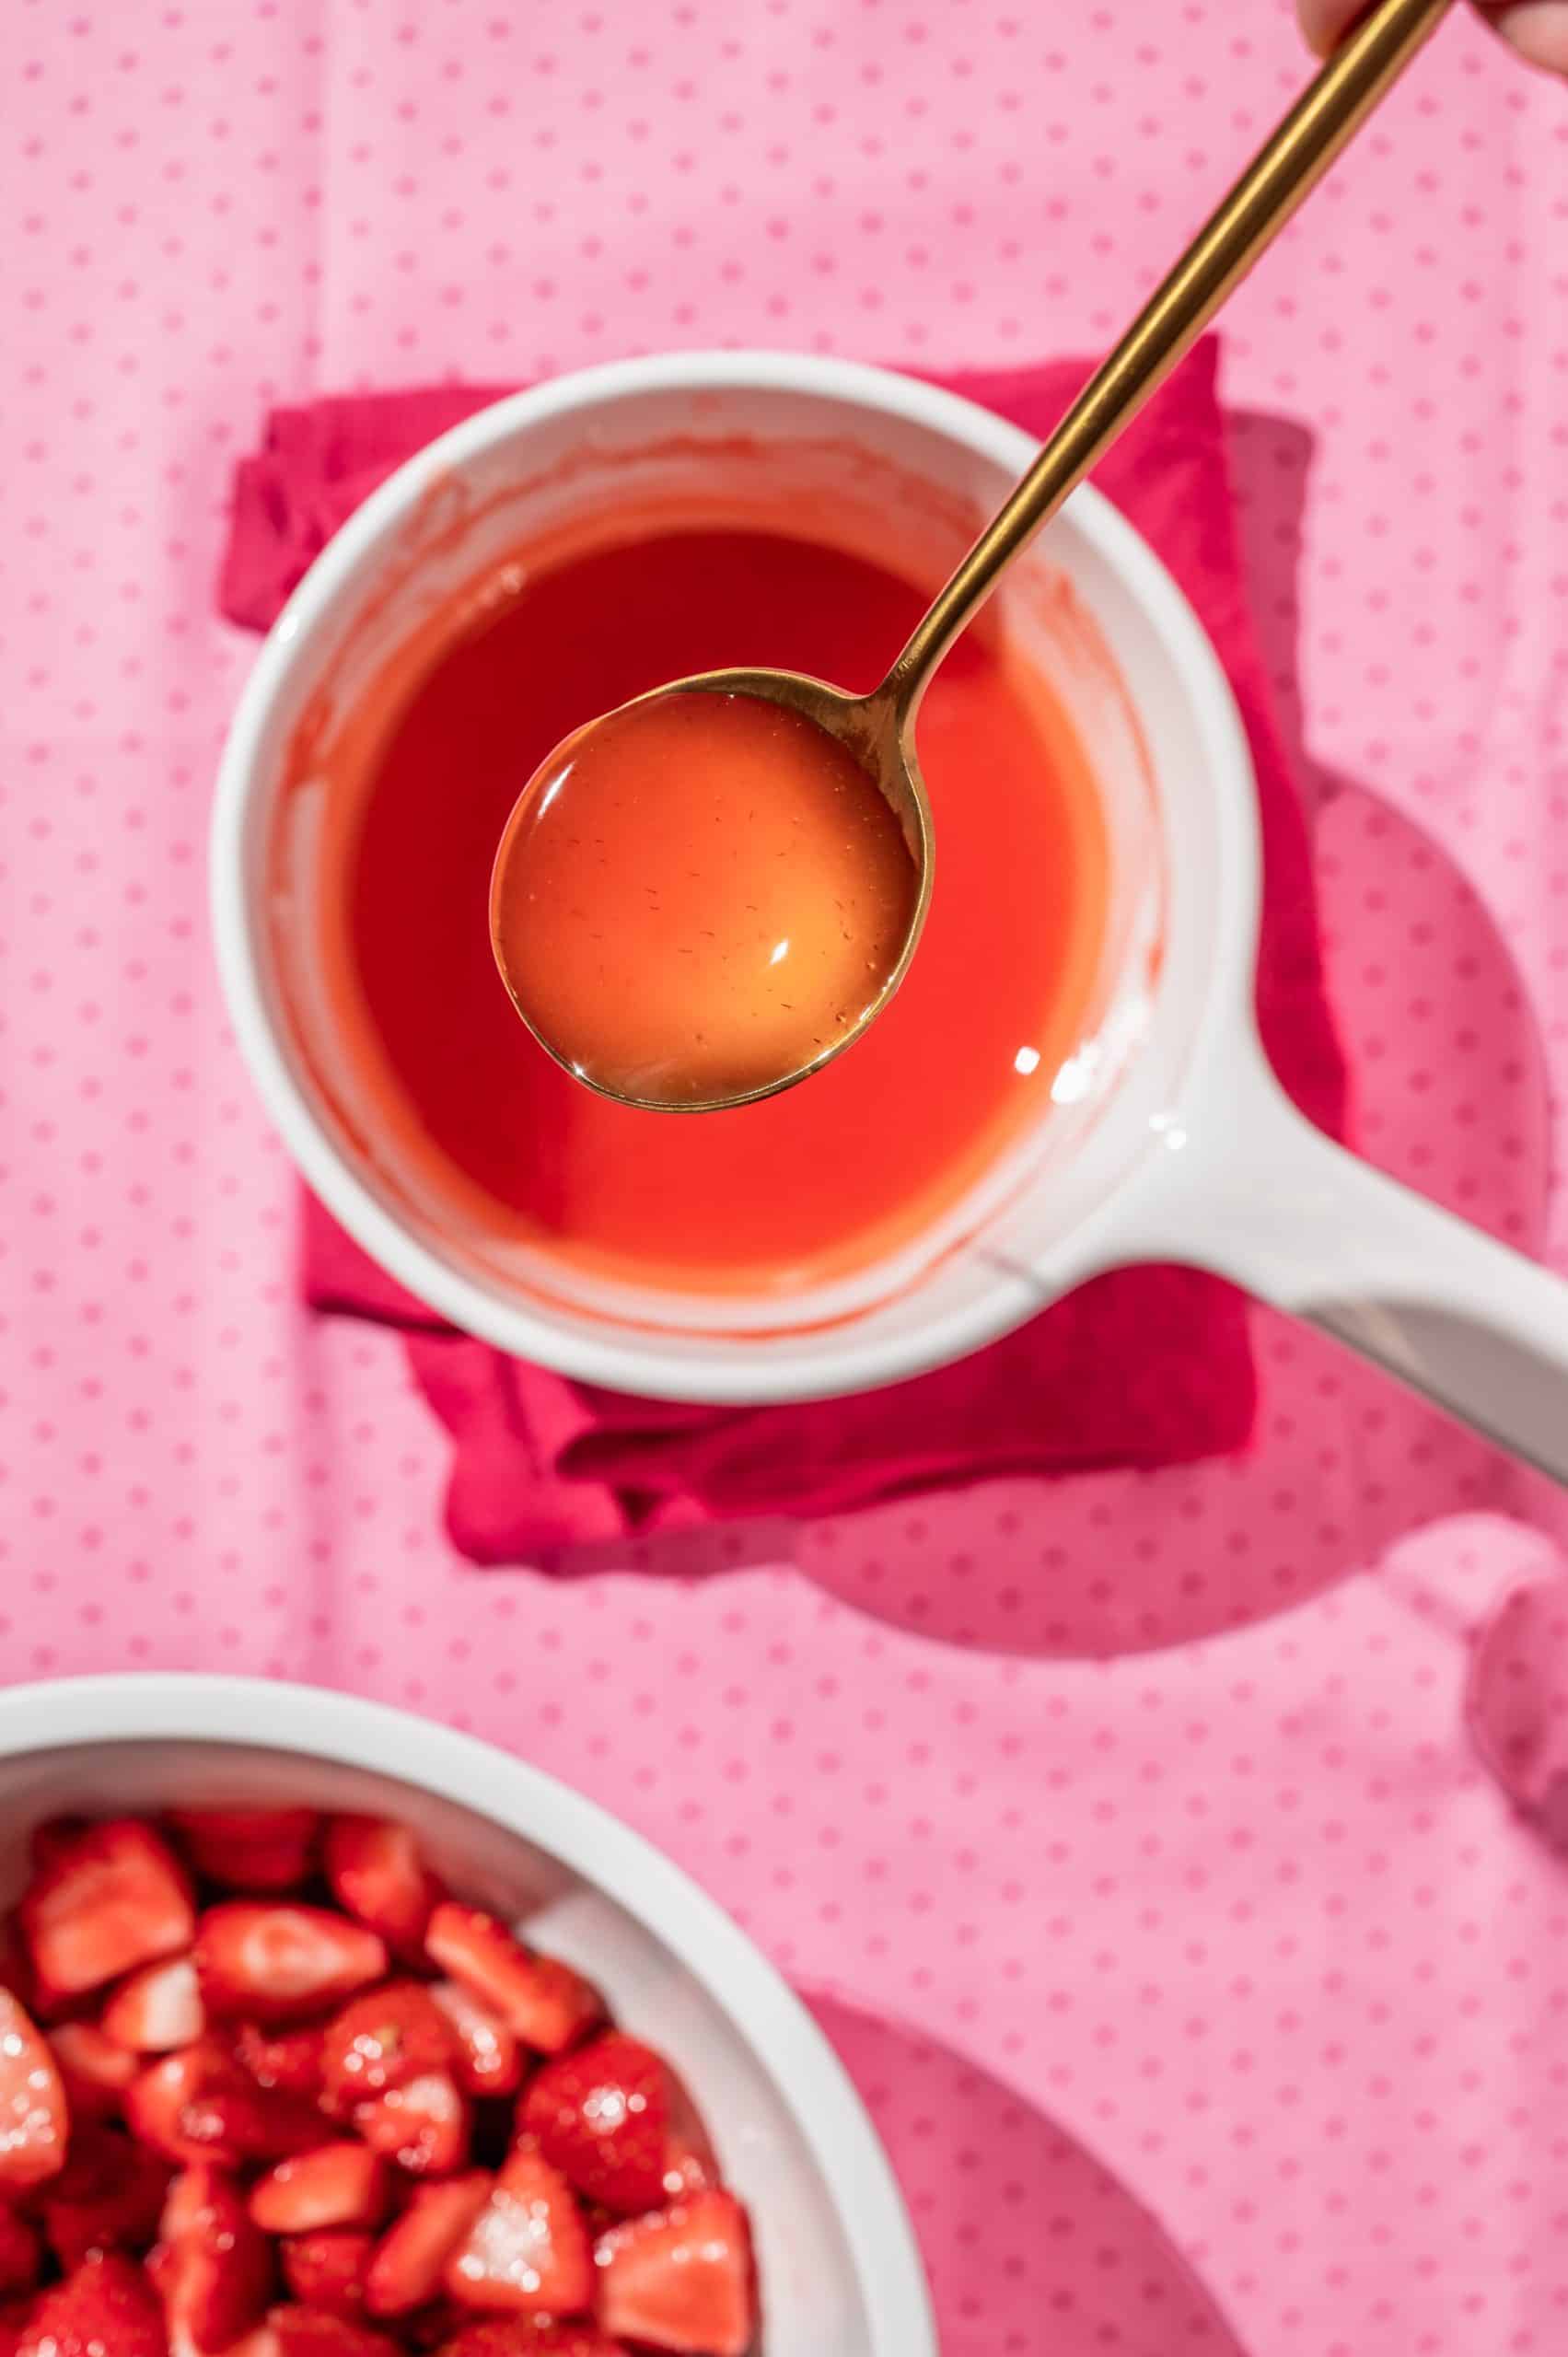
<point x="691" y="1368"/>
<point x="283" y="1715"/>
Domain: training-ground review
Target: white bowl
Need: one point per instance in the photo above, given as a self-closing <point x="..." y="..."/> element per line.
<point x="840" y="2272"/>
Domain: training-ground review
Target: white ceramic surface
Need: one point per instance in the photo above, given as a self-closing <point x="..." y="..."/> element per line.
<point x="839" y="2267"/>
<point x="1169" y="1139"/>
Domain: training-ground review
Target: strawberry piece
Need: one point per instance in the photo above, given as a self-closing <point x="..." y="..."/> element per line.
<point x="218" y="2273"/>
<point x="106" y="2308"/>
<point x="249" y="1849"/>
<point x="376" y="1872"/>
<point x="108" y="2196"/>
<point x="14" y="2317"/>
<point x="109" y="1899"/>
<point x="252" y="2124"/>
<point x="19" y="2253"/>
<point x="681" y="2279"/>
<point x="94" y="2071"/>
<point x="528" y="2249"/>
<point x="287" y="2059"/>
<point x="424" y="2126"/>
<point x="277" y="1964"/>
<point x="33" y="2119"/>
<point x="410" y="2261"/>
<point x="336" y="2185"/>
<point x="488" y="2060"/>
<point x="396" y="2034"/>
<point x="156" y="2009"/>
<point x="602" y="2117"/>
<point x="313" y="2332"/>
<point x="198" y="2105"/>
<point x="161" y="2101"/>
<point x="540" y="1999"/>
<point x="520" y="2337"/>
<point x="329" y="2269"/>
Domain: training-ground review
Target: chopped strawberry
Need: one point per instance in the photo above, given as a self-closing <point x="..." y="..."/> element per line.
<point x="488" y="2060"/>
<point x="410" y="2261"/>
<point x="19" y="2253"/>
<point x="231" y="2041"/>
<point x="161" y="2102"/>
<point x="540" y="1999"/>
<point x="249" y="1849"/>
<point x="106" y="2308"/>
<point x="521" y="2337"/>
<point x="424" y="2126"/>
<point x="108" y="2196"/>
<point x="287" y="2059"/>
<point x="277" y="1964"/>
<point x="313" y="2332"/>
<point x="198" y="2105"/>
<point x="601" y="2115"/>
<point x="252" y="2124"/>
<point x="33" y="2119"/>
<point x="336" y="2185"/>
<point x="528" y="2249"/>
<point x="111" y="1897"/>
<point x="94" y="2071"/>
<point x="219" y="2269"/>
<point x="157" y="2009"/>
<point x="329" y="2269"/>
<point x="376" y="1872"/>
<point x="395" y="2034"/>
<point x="681" y="2279"/>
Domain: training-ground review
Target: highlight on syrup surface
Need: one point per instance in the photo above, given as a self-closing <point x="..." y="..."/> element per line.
<point x="697" y="897"/>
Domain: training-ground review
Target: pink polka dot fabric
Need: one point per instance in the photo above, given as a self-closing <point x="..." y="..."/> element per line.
<point x="1199" y="1948"/>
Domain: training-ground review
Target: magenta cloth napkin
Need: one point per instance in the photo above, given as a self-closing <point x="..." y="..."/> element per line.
<point x="1141" y="1368"/>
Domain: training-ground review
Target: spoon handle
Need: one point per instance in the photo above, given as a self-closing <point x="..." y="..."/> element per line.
<point x="1329" y="111"/>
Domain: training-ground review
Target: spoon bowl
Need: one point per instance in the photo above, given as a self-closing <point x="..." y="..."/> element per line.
<point x="875" y="732"/>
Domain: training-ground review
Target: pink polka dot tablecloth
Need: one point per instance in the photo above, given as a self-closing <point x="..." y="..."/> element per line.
<point x="1127" y="1831"/>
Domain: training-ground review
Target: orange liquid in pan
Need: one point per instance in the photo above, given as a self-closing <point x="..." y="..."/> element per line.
<point x="802" y="1187"/>
<point x="698" y="895"/>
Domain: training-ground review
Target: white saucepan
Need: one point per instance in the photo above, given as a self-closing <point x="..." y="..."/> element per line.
<point x="1164" y="1137"/>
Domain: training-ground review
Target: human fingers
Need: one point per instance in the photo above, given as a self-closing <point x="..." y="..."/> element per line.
<point x="1537" y="28"/>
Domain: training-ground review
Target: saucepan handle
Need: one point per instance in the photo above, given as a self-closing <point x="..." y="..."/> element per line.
<point x="1244" y="1185"/>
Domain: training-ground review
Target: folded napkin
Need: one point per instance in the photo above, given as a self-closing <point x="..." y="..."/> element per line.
<point x="1141" y="1368"/>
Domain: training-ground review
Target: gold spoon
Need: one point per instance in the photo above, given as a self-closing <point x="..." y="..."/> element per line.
<point x="877" y="730"/>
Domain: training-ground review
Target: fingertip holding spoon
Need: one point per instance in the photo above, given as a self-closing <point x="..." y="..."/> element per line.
<point x="708" y="894"/>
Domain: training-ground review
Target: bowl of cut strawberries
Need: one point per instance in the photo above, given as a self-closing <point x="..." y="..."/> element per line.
<point x="326" y="2032"/>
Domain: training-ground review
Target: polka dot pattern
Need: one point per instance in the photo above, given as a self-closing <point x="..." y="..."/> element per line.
<point x="1148" y="1799"/>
